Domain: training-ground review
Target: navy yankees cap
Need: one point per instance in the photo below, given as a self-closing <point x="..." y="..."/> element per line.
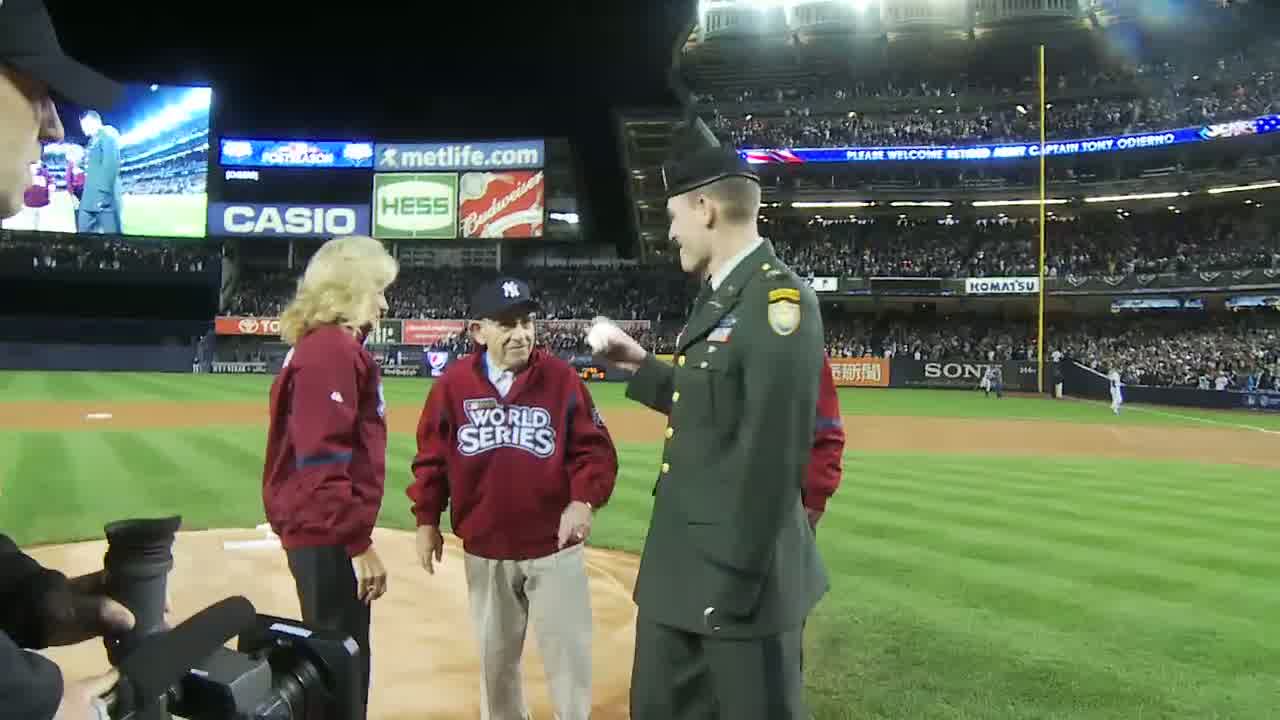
<point x="29" y="44"/>
<point x="697" y="158"/>
<point x="501" y="296"/>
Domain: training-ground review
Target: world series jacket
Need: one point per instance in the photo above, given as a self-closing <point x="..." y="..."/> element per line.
<point x="323" y="478"/>
<point x="509" y="466"/>
<point x="729" y="550"/>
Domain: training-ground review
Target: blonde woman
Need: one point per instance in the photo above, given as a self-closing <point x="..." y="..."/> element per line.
<point x="322" y="484"/>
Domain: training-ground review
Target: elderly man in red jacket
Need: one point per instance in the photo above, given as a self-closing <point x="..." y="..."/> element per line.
<point x="511" y="440"/>
<point x="828" y="449"/>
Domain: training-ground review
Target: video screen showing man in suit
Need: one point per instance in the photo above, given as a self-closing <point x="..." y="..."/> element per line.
<point x="138" y="167"/>
<point x="102" y="199"/>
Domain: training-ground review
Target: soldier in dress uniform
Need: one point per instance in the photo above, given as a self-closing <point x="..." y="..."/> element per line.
<point x="730" y="569"/>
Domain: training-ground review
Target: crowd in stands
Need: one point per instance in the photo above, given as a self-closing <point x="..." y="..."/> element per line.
<point x="80" y="253"/>
<point x="656" y="294"/>
<point x="1212" y="239"/>
<point x="182" y="175"/>
<point x="1153" y="351"/>
<point x="1241" y="355"/>
<point x="1241" y="86"/>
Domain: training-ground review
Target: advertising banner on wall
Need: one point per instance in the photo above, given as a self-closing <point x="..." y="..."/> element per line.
<point x="400" y="157"/>
<point x="502" y="204"/>
<point x="823" y="284"/>
<point x="287" y="219"/>
<point x="1019" y="376"/>
<point x="429" y="332"/>
<point x="234" y="325"/>
<point x="436" y="362"/>
<point x="411" y="206"/>
<point x="861" y="372"/>
<point x="1002" y="286"/>
<point x="240" y="368"/>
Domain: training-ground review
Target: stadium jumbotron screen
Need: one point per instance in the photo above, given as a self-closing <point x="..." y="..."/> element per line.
<point x="138" y="168"/>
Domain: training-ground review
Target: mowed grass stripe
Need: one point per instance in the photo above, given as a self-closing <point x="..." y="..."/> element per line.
<point x="1136" y="570"/>
<point x="1078" y="529"/>
<point x="1062" y="603"/>
<point x="43" y="494"/>
<point x="905" y="652"/>
<point x="1201" y="482"/>
<point x="1002" y="479"/>
<point x="1243" y="527"/>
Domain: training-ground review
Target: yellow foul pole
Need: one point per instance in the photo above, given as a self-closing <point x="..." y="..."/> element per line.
<point x="1040" y="266"/>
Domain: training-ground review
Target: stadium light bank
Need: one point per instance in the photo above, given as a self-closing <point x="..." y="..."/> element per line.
<point x="194" y="102"/>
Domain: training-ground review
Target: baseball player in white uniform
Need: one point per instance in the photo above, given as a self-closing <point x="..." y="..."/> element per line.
<point x="1117" y="398"/>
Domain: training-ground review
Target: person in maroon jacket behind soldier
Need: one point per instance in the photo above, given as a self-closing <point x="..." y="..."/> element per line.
<point x="828" y="449"/>
<point x="37" y="196"/>
<point x="512" y="439"/>
<point x="322" y="483"/>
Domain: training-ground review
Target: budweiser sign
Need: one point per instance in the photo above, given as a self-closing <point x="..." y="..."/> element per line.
<point x="267" y="326"/>
<point x="502" y="205"/>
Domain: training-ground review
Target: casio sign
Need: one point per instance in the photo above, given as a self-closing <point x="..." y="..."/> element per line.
<point x="302" y="220"/>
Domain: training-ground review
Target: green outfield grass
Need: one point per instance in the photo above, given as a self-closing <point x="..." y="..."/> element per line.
<point x="963" y="587"/>
<point x="165" y="215"/>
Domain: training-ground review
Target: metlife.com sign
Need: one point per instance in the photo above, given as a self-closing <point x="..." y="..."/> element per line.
<point x="287" y="220"/>
<point x="508" y="155"/>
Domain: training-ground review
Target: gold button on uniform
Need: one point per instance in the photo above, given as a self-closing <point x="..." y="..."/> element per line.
<point x="680" y="361"/>
<point x="766" y="267"/>
<point x="666" y="468"/>
<point x="670" y="432"/>
<point x="675" y="396"/>
<point x="703" y="365"/>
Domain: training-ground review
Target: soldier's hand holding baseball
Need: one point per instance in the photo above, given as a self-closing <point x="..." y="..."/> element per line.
<point x="430" y="546"/>
<point x="613" y="344"/>
<point x="575" y="523"/>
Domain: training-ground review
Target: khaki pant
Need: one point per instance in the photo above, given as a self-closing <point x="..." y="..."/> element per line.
<point x="552" y="592"/>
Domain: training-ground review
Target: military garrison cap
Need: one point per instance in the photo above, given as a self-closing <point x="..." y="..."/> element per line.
<point x="697" y="158"/>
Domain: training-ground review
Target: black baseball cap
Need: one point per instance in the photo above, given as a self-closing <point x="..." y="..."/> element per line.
<point x="500" y="297"/>
<point x="29" y="44"/>
<point x="697" y="158"/>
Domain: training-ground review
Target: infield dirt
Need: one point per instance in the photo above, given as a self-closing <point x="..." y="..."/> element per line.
<point x="425" y="662"/>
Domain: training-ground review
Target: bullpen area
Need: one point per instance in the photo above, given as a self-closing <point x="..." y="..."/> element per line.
<point x="990" y="558"/>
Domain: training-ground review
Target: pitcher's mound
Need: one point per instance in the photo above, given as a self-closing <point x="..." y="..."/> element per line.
<point x="425" y="663"/>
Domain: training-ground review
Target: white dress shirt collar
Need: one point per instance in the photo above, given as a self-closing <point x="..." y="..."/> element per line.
<point x="734" y="262"/>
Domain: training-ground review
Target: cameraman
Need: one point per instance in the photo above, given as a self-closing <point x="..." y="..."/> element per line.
<point x="40" y="608"/>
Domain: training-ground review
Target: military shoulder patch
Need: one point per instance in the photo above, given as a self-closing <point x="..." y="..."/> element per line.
<point x="784" y="310"/>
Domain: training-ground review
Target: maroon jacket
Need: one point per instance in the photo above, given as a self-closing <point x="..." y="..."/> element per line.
<point x="828" y="445"/>
<point x="510" y="465"/>
<point x="322" y="483"/>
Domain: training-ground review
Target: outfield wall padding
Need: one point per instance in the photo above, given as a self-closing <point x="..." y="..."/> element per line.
<point x="73" y="356"/>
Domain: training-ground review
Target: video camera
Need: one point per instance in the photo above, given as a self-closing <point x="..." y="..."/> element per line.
<point x="282" y="669"/>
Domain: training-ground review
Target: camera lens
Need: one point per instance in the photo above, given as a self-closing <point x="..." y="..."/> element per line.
<point x="136" y="567"/>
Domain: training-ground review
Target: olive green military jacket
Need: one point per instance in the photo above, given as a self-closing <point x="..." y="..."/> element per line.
<point x="729" y="550"/>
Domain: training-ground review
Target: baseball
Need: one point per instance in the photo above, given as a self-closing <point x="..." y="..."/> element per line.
<point x="601" y="335"/>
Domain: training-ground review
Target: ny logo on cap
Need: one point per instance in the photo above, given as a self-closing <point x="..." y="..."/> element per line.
<point x="510" y="289"/>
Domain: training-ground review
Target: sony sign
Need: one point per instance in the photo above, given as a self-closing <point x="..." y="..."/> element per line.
<point x="315" y="220"/>
<point x="956" y="371"/>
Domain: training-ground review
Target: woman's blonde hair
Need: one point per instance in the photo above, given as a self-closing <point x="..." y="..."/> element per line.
<point x="340" y="287"/>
